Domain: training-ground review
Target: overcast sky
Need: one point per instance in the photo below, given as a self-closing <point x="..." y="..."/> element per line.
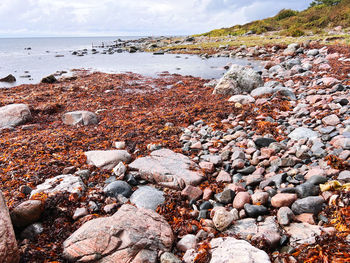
<point x="131" y="17"/>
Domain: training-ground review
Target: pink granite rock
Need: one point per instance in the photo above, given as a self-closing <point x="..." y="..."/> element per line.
<point x="331" y="120"/>
<point x="8" y="245"/>
<point x="192" y="192"/>
<point x="224" y="177"/>
<point x="283" y="199"/>
<point x="130" y="235"/>
<point x="14" y="114"/>
<point x="241" y="199"/>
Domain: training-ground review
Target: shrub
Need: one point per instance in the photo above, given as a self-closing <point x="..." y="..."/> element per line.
<point x="285" y="13"/>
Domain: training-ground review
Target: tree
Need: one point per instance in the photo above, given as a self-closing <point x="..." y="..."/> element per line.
<point x="325" y="2"/>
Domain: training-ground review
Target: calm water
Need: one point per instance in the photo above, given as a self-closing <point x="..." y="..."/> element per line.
<point x="41" y="60"/>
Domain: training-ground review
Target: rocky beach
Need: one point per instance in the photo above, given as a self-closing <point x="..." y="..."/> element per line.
<point x="251" y="167"/>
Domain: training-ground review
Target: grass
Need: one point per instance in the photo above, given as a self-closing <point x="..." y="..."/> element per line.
<point x="293" y="23"/>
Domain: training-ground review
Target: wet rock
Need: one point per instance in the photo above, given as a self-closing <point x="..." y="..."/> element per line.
<point x="255" y="210"/>
<point x="228" y="248"/>
<point x="303" y="133"/>
<point x="284" y="216"/>
<point x="168" y="168"/>
<point x="147" y="197"/>
<point x="13" y="115"/>
<point x="80" y="118"/>
<point x="26" y="213"/>
<point x="130" y="235"/>
<point x="118" y="188"/>
<point x="9" y="79"/>
<point x="237" y="80"/>
<point x="59" y="184"/>
<point x="283" y="199"/>
<point x="107" y="160"/>
<point x="8" y="245"/>
<point x="311" y="204"/>
<point x="49" y="79"/>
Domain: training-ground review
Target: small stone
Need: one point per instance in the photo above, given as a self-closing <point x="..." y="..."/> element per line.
<point x="241" y="199"/>
<point x="224" y="177"/>
<point x="207" y="193"/>
<point x="147" y="197"/>
<point x="225" y="197"/>
<point x="264" y="142"/>
<point x="317" y="179"/>
<point x="255" y="210"/>
<point x="331" y="120"/>
<point x="254" y="179"/>
<point x="307" y="189"/>
<point x="32" y="231"/>
<point x="222" y="219"/>
<point x="192" y="192"/>
<point x="80" y="212"/>
<point x="249" y="170"/>
<point x="168" y="257"/>
<point x="260" y="198"/>
<point x="285" y="199"/>
<point x="118" y="188"/>
<point x="187" y="242"/>
<point x="119" y="170"/>
<point x="305" y="218"/>
<point x="207" y="167"/>
<point x="120" y="145"/>
<point x="284" y="216"/>
<point x="80" y="117"/>
<point x="303" y="133"/>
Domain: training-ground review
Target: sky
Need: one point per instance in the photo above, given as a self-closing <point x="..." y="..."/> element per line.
<point x="21" y="18"/>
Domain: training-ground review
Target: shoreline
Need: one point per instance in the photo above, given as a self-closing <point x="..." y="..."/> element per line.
<point x="147" y="112"/>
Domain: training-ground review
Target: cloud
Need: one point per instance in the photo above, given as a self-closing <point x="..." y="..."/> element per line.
<point x="125" y="17"/>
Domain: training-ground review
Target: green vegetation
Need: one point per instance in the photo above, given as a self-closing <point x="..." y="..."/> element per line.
<point x="320" y="16"/>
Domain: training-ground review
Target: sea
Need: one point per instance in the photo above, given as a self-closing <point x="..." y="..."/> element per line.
<point x="31" y="59"/>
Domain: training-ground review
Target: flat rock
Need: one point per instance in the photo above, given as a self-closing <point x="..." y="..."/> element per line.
<point x="237" y="80"/>
<point x="147" y="197"/>
<point x="229" y="249"/>
<point x="62" y="183"/>
<point x="168" y="168"/>
<point x="80" y="117"/>
<point x="130" y="235"/>
<point x="9" y="252"/>
<point x="13" y="115"/>
<point x="107" y="160"/>
<point x="242" y="99"/>
<point x="331" y="120"/>
<point x="302" y="233"/>
<point x="302" y="133"/>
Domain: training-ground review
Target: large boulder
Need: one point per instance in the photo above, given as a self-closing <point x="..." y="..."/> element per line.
<point x="238" y="80"/>
<point x="168" y="168"/>
<point x="13" y="115"/>
<point x="107" y="160"/>
<point x="130" y="235"/>
<point x="8" y="245"/>
<point x="80" y="117"/>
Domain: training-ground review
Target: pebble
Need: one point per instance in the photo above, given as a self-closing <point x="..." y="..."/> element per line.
<point x="118" y="188"/>
<point x="225" y="197"/>
<point x="284" y="216"/>
<point x="255" y="210"/>
<point x="311" y="204"/>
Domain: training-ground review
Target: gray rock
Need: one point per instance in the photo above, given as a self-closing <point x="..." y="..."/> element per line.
<point x="225" y="197"/>
<point x="9" y="252"/>
<point x="284" y="216"/>
<point x="237" y="80"/>
<point x="130" y="235"/>
<point x="244" y="228"/>
<point x="255" y="210"/>
<point x="264" y="142"/>
<point x="168" y="257"/>
<point x="32" y="231"/>
<point x="261" y="91"/>
<point x="303" y="133"/>
<point x="118" y="188"/>
<point x="13" y="115"/>
<point x="80" y="117"/>
<point x="9" y="79"/>
<point x="107" y="160"/>
<point x="242" y="99"/>
<point x="302" y="233"/>
<point x="59" y="184"/>
<point x="344" y="176"/>
<point x="317" y="179"/>
<point x="168" y="168"/>
<point x="313" y="52"/>
<point x="311" y="204"/>
<point x="147" y="197"/>
<point x="307" y="189"/>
